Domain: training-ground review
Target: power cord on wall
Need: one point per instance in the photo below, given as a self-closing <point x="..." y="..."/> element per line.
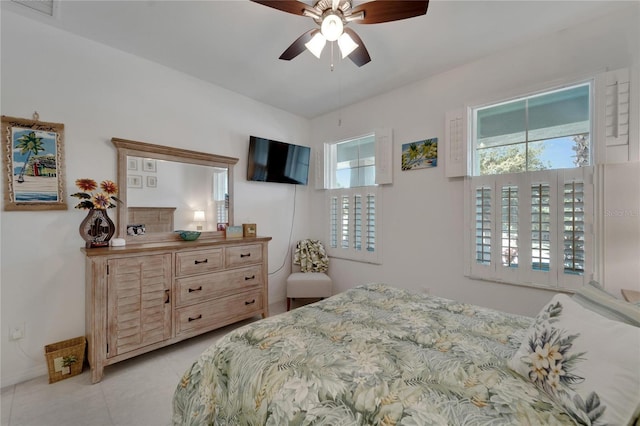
<point x="293" y="217"/>
<point x="26" y="355"/>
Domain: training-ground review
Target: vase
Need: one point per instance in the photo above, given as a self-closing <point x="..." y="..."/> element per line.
<point x="97" y="228"/>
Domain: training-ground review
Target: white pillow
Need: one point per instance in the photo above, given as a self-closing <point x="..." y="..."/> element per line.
<point x="595" y="298"/>
<point x="588" y="363"/>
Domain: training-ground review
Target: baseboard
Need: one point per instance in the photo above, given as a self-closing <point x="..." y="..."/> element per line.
<point x="23" y="376"/>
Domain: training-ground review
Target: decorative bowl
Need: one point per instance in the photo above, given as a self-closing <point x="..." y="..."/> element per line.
<point x="189" y="235"/>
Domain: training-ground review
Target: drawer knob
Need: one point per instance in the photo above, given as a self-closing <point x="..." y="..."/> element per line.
<point x="245" y="255"/>
<point x="195" y="318"/>
<point x="250" y="303"/>
<point x="167" y="297"/>
<point x="252" y="277"/>
<point x="197" y="262"/>
<point x="191" y="290"/>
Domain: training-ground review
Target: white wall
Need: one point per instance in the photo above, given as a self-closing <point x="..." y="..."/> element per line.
<point x="422" y="238"/>
<point x="100" y="93"/>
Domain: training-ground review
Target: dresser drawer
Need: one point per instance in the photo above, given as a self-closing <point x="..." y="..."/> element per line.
<point x="243" y="255"/>
<point x="198" y="262"/>
<point x="217" y="312"/>
<point x="200" y="288"/>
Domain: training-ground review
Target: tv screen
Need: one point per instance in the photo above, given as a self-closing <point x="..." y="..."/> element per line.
<point x="274" y="161"/>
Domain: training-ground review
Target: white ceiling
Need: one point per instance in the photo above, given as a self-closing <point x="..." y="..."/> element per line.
<point x="236" y="43"/>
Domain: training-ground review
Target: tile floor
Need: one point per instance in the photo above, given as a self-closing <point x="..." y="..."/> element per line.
<point x="135" y="392"/>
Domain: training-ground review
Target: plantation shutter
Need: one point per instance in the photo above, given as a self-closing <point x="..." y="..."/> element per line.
<point x="576" y="215"/>
<point x="320" y="162"/>
<point x="612" y="116"/>
<point x="333" y="222"/>
<point x="455" y="144"/>
<point x="371" y="223"/>
<point x="345" y="218"/>
<point x="384" y="156"/>
<point x="617" y="107"/>
<point x="357" y="222"/>
<point x="533" y="229"/>
<point x="482" y="232"/>
<point x="353" y="222"/>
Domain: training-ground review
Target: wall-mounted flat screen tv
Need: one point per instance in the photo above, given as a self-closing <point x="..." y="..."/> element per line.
<point x="274" y="161"/>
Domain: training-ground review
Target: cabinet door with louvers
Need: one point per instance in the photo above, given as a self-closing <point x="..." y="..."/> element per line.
<point x="139" y="305"/>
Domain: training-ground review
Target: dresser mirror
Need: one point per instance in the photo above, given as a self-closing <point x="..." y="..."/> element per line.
<point x="165" y="189"/>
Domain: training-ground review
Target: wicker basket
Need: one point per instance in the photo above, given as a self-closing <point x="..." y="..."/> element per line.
<point x="61" y="350"/>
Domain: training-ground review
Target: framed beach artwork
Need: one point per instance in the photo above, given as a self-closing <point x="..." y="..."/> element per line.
<point x="420" y="155"/>
<point x="33" y="163"/>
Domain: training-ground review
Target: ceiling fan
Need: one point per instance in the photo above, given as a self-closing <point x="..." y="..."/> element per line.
<point x="333" y="16"/>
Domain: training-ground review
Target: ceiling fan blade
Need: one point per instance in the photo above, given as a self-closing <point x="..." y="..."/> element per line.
<point x="379" y="11"/>
<point x="360" y="56"/>
<point x="290" y="6"/>
<point x="298" y="46"/>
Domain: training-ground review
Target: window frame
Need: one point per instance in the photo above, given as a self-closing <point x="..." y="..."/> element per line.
<point x="383" y="175"/>
<point x="523" y="275"/>
<point x="331" y="159"/>
<point x="527" y="97"/>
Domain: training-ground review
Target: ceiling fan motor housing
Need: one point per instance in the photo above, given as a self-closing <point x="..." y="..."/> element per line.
<point x="333" y="16"/>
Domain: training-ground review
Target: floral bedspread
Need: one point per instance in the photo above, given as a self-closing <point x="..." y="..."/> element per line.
<point x="373" y="355"/>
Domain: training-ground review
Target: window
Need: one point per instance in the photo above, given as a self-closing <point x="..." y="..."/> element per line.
<point x="352" y="163"/>
<point x="220" y="196"/>
<point x="540" y="132"/>
<point x="531" y="191"/>
<point x="352" y="169"/>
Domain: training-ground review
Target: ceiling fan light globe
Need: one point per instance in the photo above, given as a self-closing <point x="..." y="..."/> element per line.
<point x="316" y="44"/>
<point x="331" y="27"/>
<point x="347" y="45"/>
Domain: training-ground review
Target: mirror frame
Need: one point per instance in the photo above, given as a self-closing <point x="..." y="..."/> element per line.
<point x="127" y="148"/>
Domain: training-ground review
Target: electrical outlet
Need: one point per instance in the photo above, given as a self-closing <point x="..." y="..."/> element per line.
<point x="17" y="332"/>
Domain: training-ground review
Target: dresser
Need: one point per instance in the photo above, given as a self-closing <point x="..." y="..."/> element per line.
<point x="145" y="296"/>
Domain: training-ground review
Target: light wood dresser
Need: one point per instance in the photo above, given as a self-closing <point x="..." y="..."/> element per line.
<point x="145" y="296"/>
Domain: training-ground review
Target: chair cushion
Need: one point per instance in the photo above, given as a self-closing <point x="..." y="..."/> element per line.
<point x="309" y="284"/>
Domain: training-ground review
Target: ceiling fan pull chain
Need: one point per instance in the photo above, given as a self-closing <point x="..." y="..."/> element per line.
<point x="332" y="43"/>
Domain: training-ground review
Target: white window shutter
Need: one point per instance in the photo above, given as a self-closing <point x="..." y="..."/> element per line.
<point x="384" y="156"/>
<point x="612" y="115"/>
<point x="455" y="146"/>
<point x="319" y="158"/>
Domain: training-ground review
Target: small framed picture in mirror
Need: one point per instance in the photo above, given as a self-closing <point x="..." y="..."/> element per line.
<point x="134" y="181"/>
<point x="132" y="164"/>
<point x="149" y="165"/>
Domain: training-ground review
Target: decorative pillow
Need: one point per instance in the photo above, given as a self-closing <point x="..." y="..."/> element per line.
<point x="586" y="362"/>
<point x="595" y="298"/>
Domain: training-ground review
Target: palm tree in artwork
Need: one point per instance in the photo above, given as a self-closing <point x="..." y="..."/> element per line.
<point x="28" y="144"/>
<point x="413" y="151"/>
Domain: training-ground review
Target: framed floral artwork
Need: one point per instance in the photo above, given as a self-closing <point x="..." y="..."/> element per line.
<point x="33" y="161"/>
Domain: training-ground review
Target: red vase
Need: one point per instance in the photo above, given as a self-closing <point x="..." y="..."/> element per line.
<point x="97" y="228"/>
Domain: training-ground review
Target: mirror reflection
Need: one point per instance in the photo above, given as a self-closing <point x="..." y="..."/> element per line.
<point x="163" y="196"/>
<point x="165" y="189"/>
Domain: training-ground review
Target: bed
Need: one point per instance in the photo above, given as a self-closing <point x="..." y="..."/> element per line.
<point x="380" y="355"/>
